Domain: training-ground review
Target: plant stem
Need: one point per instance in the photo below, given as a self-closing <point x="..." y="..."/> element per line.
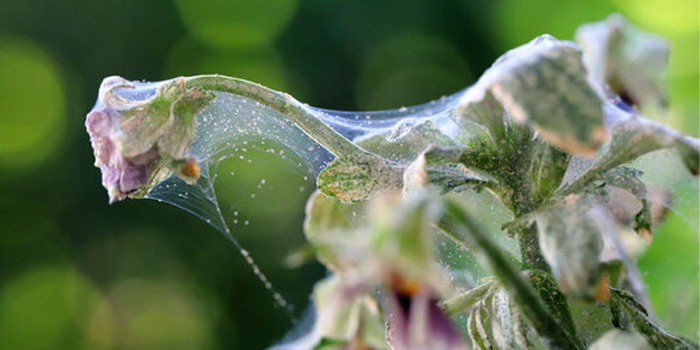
<point x="521" y="204"/>
<point x="518" y="288"/>
<point x="302" y="117"/>
<point x="527" y="237"/>
<point x="530" y="250"/>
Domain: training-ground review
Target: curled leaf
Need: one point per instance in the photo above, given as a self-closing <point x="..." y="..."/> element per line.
<point x="510" y="329"/>
<point x="544" y="84"/>
<point x="628" y="179"/>
<point x="571" y="243"/>
<point x="656" y="336"/>
<point x="626" y="59"/>
<point x="494" y="319"/>
<point x="479" y="327"/>
<point x="633" y="136"/>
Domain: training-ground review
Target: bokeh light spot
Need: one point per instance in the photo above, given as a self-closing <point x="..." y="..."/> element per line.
<point x="32" y="100"/>
<point x="236" y="24"/>
<point x="51" y="302"/>
<point x="410" y="69"/>
<point x="517" y="22"/>
<point x="262" y="65"/>
<point x="663" y="17"/>
<point x="159" y="316"/>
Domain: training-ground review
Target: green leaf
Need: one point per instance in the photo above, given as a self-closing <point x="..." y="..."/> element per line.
<point x="633" y="136"/>
<point x="330" y="344"/>
<point x="344" y="314"/>
<point x="330" y="227"/>
<point x="488" y="113"/>
<point x="479" y="159"/>
<point x="656" y="336"/>
<point x="406" y="140"/>
<point x="544" y="84"/>
<point x="402" y="235"/>
<point x="358" y="176"/>
<point x="571" y="243"/>
<point x="510" y="330"/>
<point x="628" y="179"/>
<point x="620" y="340"/>
<point x="629" y="61"/>
<point x="445" y="175"/>
<point x="466" y="300"/>
<point x="495" y="321"/>
<point x="547" y="170"/>
<point x="545" y="285"/>
<point x="519" y="289"/>
<point x="480" y="329"/>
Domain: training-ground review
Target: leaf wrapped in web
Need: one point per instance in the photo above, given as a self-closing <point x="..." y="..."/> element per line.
<point x="542" y="84"/>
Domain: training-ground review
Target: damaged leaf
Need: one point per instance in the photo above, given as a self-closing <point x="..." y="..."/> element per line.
<point x="357" y="176"/>
<point x="544" y="84"/>
<point x="627" y="60"/>
<point x="571" y="243"/>
<point x="628" y="179"/>
<point x="656" y="336"/>
<point x="633" y="136"/>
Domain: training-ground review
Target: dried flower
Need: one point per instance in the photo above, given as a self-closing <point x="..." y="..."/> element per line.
<point x="141" y="132"/>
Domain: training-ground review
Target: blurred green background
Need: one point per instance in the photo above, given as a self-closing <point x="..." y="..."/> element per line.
<point x="76" y="273"/>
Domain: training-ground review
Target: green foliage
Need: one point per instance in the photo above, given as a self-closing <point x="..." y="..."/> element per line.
<point x="639" y="318"/>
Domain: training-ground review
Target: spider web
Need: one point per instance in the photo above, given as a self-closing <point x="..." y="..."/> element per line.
<point x="237" y="137"/>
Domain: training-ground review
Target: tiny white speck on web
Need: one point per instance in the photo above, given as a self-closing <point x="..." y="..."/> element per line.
<point x="238" y="138"/>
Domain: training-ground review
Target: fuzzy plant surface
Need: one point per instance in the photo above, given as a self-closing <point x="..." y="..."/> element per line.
<point x="547" y="133"/>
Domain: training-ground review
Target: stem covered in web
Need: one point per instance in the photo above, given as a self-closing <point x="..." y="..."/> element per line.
<point x="304" y="118"/>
